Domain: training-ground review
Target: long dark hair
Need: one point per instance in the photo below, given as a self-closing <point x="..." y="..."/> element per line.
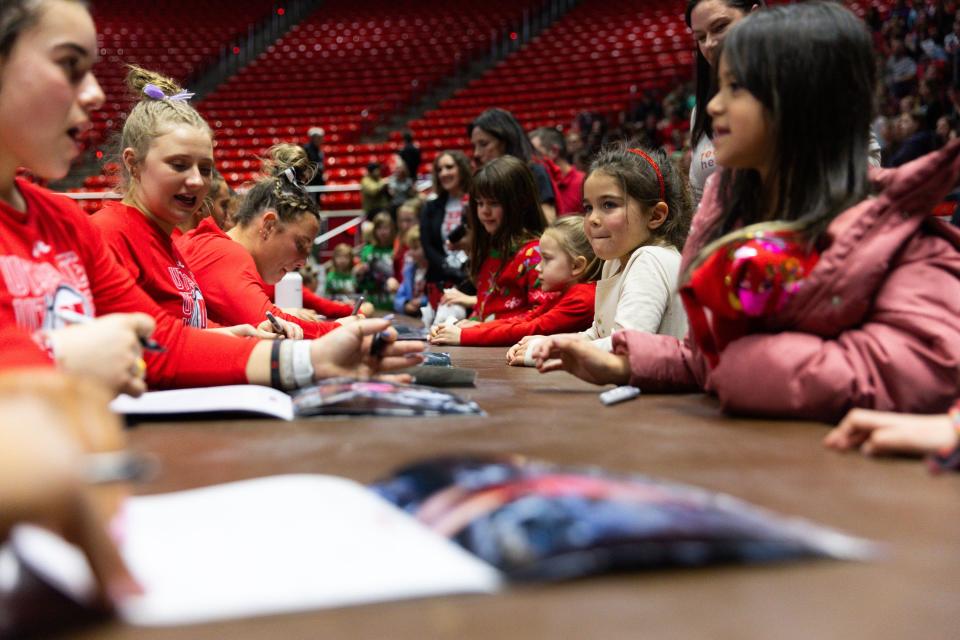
<point x="506" y="180"/>
<point x="820" y="128"/>
<point x="504" y="127"/>
<point x="706" y="76"/>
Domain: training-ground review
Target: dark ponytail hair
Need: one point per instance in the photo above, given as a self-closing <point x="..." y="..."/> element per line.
<point x="287" y="169"/>
<point x="638" y="181"/>
<point x="820" y="129"/>
<point x="504" y="127"/>
<point x="706" y="76"/>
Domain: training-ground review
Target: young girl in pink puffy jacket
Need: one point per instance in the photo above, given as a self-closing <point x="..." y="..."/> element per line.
<point x="811" y="284"/>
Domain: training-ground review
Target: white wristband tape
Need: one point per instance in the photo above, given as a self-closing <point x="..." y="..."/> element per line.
<point x="302" y="364"/>
<point x="287" y="378"/>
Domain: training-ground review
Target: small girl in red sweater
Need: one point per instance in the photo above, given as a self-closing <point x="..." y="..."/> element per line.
<point x="506" y="220"/>
<point x="569" y="268"/>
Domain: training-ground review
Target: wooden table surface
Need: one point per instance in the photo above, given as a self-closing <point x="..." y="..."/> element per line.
<point x="913" y="592"/>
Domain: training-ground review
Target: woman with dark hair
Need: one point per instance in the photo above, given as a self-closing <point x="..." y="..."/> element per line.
<point x="441" y="217"/>
<point x="496" y="133"/>
<point x="709" y="20"/>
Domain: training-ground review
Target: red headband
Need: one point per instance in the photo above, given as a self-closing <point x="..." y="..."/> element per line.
<point x="656" y="169"/>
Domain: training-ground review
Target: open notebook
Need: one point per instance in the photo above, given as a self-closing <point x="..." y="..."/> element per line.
<point x="335" y="397"/>
<point x="265" y="546"/>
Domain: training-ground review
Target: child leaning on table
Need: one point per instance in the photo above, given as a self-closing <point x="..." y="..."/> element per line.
<point x="568" y="267"/>
<point x="637" y="211"/>
<point x="812" y="285"/>
<point x="412" y="294"/>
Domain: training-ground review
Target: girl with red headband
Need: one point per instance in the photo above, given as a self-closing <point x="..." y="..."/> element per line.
<point x="637" y="213"/>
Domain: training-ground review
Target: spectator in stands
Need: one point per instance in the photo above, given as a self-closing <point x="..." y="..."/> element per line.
<point x="375" y="271"/>
<point x="441" y="217"/>
<point x="340" y="281"/>
<point x="400" y="186"/>
<point x="496" y="133"/>
<point x="408" y="216"/>
<point x="410" y="154"/>
<point x="550" y="146"/>
<point x="374" y="196"/>
<point x="314" y="149"/>
<point x="412" y="294"/>
<point x="916" y="141"/>
<point x="901" y="71"/>
<point x="709" y="20"/>
<point x="578" y="154"/>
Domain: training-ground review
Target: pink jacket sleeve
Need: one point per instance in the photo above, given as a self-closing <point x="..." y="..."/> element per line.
<point x="659" y="363"/>
<point x="904" y="357"/>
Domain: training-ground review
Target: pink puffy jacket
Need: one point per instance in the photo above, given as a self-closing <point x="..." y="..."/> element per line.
<point x="876" y="324"/>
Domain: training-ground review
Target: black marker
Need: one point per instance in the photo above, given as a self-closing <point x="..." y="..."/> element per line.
<point x="277" y="327"/>
<point x="72" y="317"/>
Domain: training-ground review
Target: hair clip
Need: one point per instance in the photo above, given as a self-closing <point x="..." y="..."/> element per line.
<point x="153" y="91"/>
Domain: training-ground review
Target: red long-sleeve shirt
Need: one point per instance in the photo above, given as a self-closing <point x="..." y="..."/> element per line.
<point x="152" y="258"/>
<point x="323" y="306"/>
<point x="509" y="287"/>
<point x="570" y="312"/>
<point x="227" y="273"/>
<point x="52" y="257"/>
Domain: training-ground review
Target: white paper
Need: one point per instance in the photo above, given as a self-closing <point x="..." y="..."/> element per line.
<point x="239" y="397"/>
<point x="266" y="546"/>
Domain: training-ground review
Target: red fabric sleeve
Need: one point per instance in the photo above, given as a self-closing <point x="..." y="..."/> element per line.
<point x="18" y="350"/>
<point x="232" y="287"/>
<point x="193" y="358"/>
<point x="572" y="312"/>
<point x="324" y="306"/>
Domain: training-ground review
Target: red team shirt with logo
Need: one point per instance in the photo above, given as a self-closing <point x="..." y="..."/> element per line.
<point x="154" y="261"/>
<point x="52" y="257"/>
<point x="237" y="293"/>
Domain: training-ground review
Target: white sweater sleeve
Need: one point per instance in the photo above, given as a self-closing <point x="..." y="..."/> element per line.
<point x="648" y="285"/>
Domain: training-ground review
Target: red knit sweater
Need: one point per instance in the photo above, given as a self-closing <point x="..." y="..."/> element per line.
<point x="508" y="287"/>
<point x="571" y="311"/>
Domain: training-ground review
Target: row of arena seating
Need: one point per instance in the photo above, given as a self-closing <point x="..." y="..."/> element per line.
<point x="178" y="38"/>
<point x="346" y="68"/>
<point x="352" y="64"/>
<point x="597" y="58"/>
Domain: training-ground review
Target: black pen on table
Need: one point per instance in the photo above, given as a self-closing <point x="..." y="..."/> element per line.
<point x="356" y="306"/>
<point x="72" y="317"/>
<point x="277" y="327"/>
<point x="379" y="342"/>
